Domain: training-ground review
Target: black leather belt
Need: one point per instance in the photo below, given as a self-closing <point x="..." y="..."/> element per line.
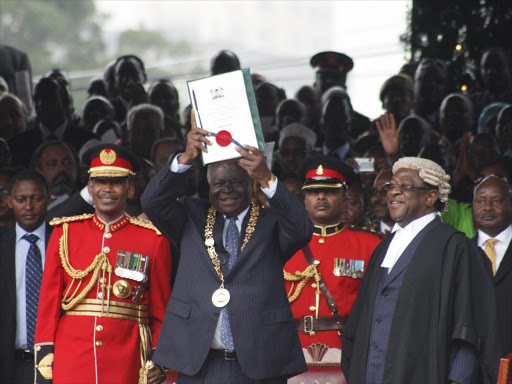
<point x="23" y="354"/>
<point x="223" y="354"/>
<point x="309" y="324"/>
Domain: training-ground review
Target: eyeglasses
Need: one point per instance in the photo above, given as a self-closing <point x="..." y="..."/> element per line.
<point x="404" y="188"/>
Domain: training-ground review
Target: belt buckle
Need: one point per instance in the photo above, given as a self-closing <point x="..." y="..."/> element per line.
<point x="227" y="355"/>
<point x="311" y="330"/>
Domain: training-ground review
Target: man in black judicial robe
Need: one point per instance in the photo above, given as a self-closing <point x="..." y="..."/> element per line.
<point x="432" y="318"/>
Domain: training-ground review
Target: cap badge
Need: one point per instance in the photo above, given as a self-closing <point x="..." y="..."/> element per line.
<point x="320" y="170"/>
<point x="108" y="157"/>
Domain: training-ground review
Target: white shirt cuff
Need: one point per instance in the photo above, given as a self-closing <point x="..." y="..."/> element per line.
<point x="270" y="191"/>
<point x="86" y="196"/>
<point x="177" y="167"/>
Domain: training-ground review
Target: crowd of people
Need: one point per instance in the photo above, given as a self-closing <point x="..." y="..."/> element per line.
<point x="422" y="192"/>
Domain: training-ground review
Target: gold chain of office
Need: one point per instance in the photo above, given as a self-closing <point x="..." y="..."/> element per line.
<point x="100" y="262"/>
<point x="210" y="244"/>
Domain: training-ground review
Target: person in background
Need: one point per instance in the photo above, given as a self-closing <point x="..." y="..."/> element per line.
<point x="21" y="270"/>
<point x="379" y="211"/>
<point x="95" y="109"/>
<point x="13" y="116"/>
<point x="296" y="142"/>
<point x="504" y="131"/>
<point x="396" y="95"/>
<point x="164" y="95"/>
<point x="129" y="76"/>
<point x="57" y="162"/>
<point x="224" y="61"/>
<point x="52" y="122"/>
<point x="145" y="124"/>
<point x="323" y="278"/>
<point x="492" y="207"/>
<point x="430" y="88"/>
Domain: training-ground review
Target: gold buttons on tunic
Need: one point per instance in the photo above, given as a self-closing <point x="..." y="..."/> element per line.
<point x="106" y="250"/>
<point x="312" y="308"/>
<point x="313" y="285"/>
<point x="100" y="295"/>
<point x="108" y="235"/>
<point x="99" y="328"/>
<point x="38" y="348"/>
<point x="316" y="262"/>
<point x="321" y="240"/>
<point x="99" y="343"/>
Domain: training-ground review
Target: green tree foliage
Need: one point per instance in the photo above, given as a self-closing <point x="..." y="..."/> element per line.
<point x="437" y="27"/>
<point x="55" y="33"/>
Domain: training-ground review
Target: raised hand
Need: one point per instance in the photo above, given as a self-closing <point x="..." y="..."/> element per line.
<point x="196" y="140"/>
<point x="254" y="163"/>
<point x="389" y="135"/>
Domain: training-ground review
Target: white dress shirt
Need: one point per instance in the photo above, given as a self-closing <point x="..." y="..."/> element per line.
<point x="403" y="238"/>
<point x="384" y="227"/>
<point x="500" y="247"/>
<point x="22" y="247"/>
<point x="269" y="193"/>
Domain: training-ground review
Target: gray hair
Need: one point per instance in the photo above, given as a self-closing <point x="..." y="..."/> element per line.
<point x="141" y="108"/>
<point x="300" y="131"/>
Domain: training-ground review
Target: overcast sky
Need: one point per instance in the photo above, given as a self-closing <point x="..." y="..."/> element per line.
<point x="277" y="38"/>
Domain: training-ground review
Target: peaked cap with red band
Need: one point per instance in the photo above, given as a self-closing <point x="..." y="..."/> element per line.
<point x="332" y="61"/>
<point x="110" y="160"/>
<point x="325" y="172"/>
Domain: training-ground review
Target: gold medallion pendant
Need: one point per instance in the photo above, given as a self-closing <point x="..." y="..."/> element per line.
<point x="220" y="297"/>
<point x="122" y="289"/>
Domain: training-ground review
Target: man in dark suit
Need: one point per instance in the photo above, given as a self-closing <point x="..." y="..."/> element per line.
<point x="21" y="268"/>
<point x="228" y="320"/>
<point x="492" y="210"/>
<point x="53" y="122"/>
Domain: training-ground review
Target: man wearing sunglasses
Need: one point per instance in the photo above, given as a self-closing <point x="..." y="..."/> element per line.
<point x="425" y="311"/>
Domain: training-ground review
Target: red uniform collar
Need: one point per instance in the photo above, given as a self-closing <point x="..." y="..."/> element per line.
<point x="113" y="226"/>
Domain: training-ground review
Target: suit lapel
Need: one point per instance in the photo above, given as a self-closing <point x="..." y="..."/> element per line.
<point x="505" y="265"/>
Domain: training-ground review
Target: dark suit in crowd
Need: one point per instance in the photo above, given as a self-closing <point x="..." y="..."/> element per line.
<point x="11" y="360"/>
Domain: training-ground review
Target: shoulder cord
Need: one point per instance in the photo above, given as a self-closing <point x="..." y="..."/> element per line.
<point x="100" y="263"/>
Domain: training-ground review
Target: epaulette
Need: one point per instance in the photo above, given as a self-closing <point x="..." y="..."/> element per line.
<point x="144" y="224"/>
<point x="365" y="229"/>
<point x="61" y="220"/>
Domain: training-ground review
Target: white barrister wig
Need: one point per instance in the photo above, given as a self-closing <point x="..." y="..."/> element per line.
<point x="429" y="171"/>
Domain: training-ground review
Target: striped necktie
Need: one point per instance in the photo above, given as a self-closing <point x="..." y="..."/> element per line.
<point x="33" y="276"/>
<point x="491" y="253"/>
<point x="233" y="247"/>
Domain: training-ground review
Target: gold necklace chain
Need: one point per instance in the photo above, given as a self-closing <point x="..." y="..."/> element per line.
<point x="210" y="243"/>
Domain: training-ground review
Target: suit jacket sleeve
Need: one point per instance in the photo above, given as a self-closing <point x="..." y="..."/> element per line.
<point x="295" y="227"/>
<point x="74" y="205"/>
<point x="160" y="204"/>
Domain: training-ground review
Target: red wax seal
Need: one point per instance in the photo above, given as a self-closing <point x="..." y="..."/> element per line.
<point x="223" y="138"/>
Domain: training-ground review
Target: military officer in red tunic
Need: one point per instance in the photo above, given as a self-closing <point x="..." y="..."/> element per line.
<point x="322" y="280"/>
<point x="105" y="285"/>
